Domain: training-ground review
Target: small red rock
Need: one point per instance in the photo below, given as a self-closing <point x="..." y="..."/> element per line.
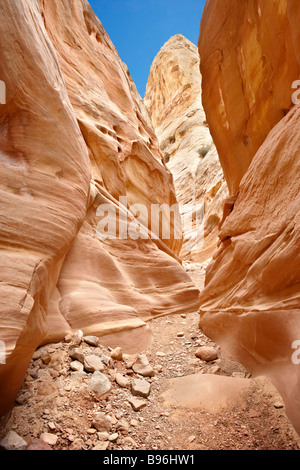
<point x="38" y="444"/>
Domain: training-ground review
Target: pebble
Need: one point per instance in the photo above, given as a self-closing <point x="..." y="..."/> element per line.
<point x="207" y="353"/>
<point x="57" y="361"/>
<point x="130" y="441"/>
<point x="101" y="422"/>
<point x="76" y="366"/>
<point x="23" y="398"/>
<point x="101" y="446"/>
<point x="46" y="357"/>
<point x="278" y="405"/>
<point x="254" y="414"/>
<point x="142" y="367"/>
<point x="43" y="373"/>
<point x="137" y="404"/>
<point x="38" y="444"/>
<point x="100" y="383"/>
<point x="36" y="355"/>
<point x="214" y="370"/>
<point x="113" y="420"/>
<point x="91" y="340"/>
<point x="12" y="441"/>
<point x="161" y="354"/>
<point x="122" y="381"/>
<point x="117" y="354"/>
<point x="49" y="438"/>
<point x="123" y="426"/>
<point x="77" y="338"/>
<point x="140" y="388"/>
<point x="239" y="375"/>
<point x="68" y="338"/>
<point x="77" y="444"/>
<point x="77" y="354"/>
<point x="93" y="364"/>
<point x="91" y="431"/>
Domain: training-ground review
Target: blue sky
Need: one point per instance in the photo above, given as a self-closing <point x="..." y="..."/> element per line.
<point x="139" y="28"/>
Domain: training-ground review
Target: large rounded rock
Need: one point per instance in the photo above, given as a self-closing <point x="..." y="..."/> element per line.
<point x="207" y="353"/>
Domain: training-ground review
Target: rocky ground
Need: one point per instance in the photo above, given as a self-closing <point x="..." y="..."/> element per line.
<point x="80" y="395"/>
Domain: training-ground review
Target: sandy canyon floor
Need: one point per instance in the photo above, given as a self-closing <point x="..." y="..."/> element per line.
<point x="193" y="404"/>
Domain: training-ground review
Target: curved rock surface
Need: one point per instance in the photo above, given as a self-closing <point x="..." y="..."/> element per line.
<point x="45" y="178"/>
<point x="173" y="99"/>
<point x="75" y="135"/>
<point x="124" y="152"/>
<point x="249" y="61"/>
<point x="251" y="300"/>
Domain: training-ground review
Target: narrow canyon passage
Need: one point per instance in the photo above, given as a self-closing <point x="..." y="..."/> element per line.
<point x="149" y="286"/>
<point x="184" y="394"/>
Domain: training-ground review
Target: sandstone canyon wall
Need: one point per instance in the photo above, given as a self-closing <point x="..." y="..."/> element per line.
<point x="173" y="99"/>
<point x="74" y="134"/>
<point x="249" y="60"/>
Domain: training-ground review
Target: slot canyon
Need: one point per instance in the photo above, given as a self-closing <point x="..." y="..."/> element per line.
<point x="150" y="246"/>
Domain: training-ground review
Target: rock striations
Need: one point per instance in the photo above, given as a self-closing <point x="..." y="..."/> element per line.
<point x="249" y="61"/>
<point x="75" y="137"/>
<point x="173" y="99"/>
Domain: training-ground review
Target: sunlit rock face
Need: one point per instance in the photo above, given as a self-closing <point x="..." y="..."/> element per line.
<point x="124" y="151"/>
<point x="45" y="179"/>
<point x="249" y="61"/>
<point x="173" y="99"/>
<point x="74" y="138"/>
<point x="252" y="296"/>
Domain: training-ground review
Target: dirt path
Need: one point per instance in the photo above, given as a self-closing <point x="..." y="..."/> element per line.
<point x="253" y="419"/>
<point x="193" y="404"/>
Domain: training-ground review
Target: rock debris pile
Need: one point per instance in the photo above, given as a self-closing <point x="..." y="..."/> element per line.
<point x="81" y="395"/>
